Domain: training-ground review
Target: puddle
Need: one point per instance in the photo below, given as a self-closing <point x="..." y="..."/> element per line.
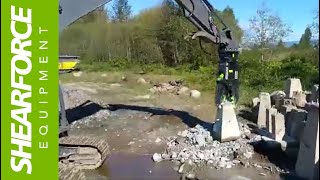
<point x="136" y="167"/>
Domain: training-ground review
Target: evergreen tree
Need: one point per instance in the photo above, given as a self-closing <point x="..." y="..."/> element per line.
<point x="305" y="40"/>
<point x="121" y="11"/>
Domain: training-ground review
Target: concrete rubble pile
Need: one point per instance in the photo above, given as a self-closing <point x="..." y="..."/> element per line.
<point x="171" y="87"/>
<point x="290" y="119"/>
<point x="197" y="147"/>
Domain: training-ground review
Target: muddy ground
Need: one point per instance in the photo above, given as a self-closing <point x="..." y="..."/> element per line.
<point x="136" y="123"/>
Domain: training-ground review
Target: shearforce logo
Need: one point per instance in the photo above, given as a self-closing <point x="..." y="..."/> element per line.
<point x="21" y="66"/>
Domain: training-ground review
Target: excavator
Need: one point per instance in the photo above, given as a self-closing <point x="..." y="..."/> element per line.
<point x="89" y="153"/>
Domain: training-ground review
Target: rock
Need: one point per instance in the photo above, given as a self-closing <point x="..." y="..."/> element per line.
<point x="103" y="75"/>
<point x="183" y="91"/>
<point x="165" y="156"/>
<point x="195" y="94"/>
<point x="153" y="90"/>
<point x="183" y="133"/>
<point x="200" y="139"/>
<point x="191" y="175"/>
<point x="157" y="157"/>
<point x="157" y="140"/>
<point x="130" y="143"/>
<point x="179" y="140"/>
<point x="209" y="139"/>
<point x="124" y="78"/>
<point x="148" y="96"/>
<point x="141" y="81"/>
<point x="185" y="167"/>
<point x="248" y="155"/>
<point x="200" y="156"/>
<point x="77" y="74"/>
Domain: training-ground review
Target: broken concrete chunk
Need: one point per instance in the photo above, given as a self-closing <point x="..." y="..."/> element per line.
<point x="183" y="91"/>
<point x="201" y="139"/>
<point x="299" y="98"/>
<point x="292" y="85"/>
<point x="265" y="103"/>
<point x="157" y="157"/>
<point x="195" y="94"/>
<point x="77" y="74"/>
<point x="141" y="81"/>
<point x="307" y="165"/>
<point x="186" y="167"/>
<point x="226" y="126"/>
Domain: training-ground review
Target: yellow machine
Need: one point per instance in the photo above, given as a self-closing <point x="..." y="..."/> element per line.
<point x="68" y="63"/>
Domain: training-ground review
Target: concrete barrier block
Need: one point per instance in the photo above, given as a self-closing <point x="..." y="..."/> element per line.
<point x="278" y="103"/>
<point x="308" y="156"/>
<point x="265" y="103"/>
<point x="292" y="85"/>
<point x="295" y="123"/>
<point x="226" y="127"/>
<point x="269" y="113"/>
<point x="278" y="126"/>
<point x="315" y="93"/>
<point x="276" y="95"/>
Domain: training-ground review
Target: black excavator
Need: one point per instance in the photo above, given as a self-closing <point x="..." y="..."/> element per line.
<point x="89" y="153"/>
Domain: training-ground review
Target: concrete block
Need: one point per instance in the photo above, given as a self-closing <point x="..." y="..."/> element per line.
<point x="269" y="113"/>
<point x="292" y="85"/>
<point x="308" y="96"/>
<point x="308" y="156"/>
<point x="299" y="98"/>
<point x="226" y="127"/>
<point x="315" y="93"/>
<point x="278" y="103"/>
<point x="295" y="123"/>
<point x="276" y="95"/>
<point x="255" y="102"/>
<point x="278" y="126"/>
<point x="265" y="103"/>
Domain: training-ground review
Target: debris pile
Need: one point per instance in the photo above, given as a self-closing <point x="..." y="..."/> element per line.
<point x="197" y="147"/>
<point x="171" y="87"/>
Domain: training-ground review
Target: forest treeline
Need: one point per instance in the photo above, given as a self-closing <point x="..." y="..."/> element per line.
<point x="155" y="41"/>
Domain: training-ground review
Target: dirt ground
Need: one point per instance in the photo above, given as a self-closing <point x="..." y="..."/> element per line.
<point x="136" y="123"/>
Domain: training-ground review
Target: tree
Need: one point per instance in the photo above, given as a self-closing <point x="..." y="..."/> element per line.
<point x="315" y="24"/>
<point x="280" y="44"/>
<point x="121" y="11"/>
<point x="305" y="40"/>
<point x="267" y="28"/>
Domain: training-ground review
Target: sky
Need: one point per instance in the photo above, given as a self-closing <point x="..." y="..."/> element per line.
<point x="298" y="14"/>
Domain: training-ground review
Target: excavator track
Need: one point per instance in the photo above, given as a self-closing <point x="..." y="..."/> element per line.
<point x="81" y="153"/>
